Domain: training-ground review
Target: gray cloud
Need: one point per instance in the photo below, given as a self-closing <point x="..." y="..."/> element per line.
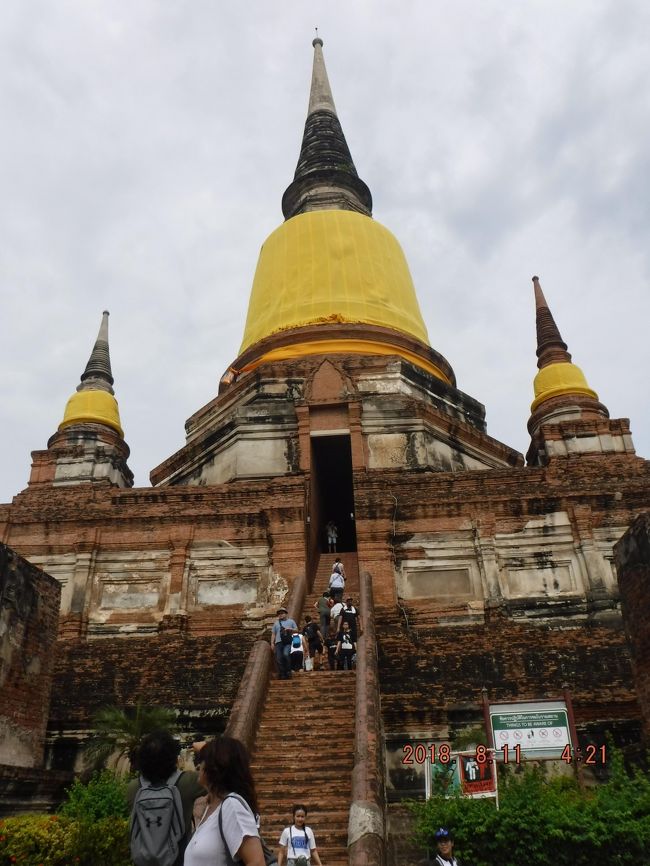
<point x="145" y="151"/>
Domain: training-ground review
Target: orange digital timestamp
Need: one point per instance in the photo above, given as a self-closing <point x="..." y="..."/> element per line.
<point x="591" y="756"/>
<point x="422" y="752"/>
<point x="419" y="753"/>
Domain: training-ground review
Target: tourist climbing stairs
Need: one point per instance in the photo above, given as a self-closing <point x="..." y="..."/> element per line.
<point x="304" y="751"/>
<point x="321" y="580"/>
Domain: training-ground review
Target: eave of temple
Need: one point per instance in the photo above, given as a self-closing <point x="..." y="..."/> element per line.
<point x="94" y="401"/>
<point x="331" y="280"/>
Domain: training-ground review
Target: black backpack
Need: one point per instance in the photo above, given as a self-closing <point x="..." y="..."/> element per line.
<point x="157" y="824"/>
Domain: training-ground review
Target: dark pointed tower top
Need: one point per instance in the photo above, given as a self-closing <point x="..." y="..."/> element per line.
<point x="98" y="375"/>
<point x="325" y="178"/>
<point x="551" y="348"/>
<point x="94" y="401"/>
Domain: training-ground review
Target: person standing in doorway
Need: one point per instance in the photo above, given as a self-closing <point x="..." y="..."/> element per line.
<point x="332" y="535"/>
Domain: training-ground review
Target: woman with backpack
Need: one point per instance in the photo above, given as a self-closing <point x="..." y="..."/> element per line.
<point x="227" y="829"/>
<point x="297" y="842"/>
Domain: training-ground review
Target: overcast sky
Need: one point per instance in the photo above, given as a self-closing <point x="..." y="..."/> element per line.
<point x="145" y="148"/>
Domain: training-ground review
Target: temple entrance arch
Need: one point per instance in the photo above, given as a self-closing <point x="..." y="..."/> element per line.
<point x="332" y="488"/>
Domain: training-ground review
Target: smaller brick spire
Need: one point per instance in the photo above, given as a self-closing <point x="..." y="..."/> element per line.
<point x="551" y="348"/>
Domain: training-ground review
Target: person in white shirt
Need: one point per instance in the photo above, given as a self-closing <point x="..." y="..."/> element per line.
<point x="332" y="535"/>
<point x="336" y="585"/>
<point x="227" y="829"/>
<point x="445" y="848"/>
<point x="297" y="843"/>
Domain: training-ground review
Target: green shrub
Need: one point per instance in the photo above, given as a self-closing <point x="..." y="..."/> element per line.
<point x="541" y="822"/>
<point x="50" y="840"/>
<point x="102" y="797"/>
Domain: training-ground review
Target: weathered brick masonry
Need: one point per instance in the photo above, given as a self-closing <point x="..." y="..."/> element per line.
<point x="29" y="613"/>
<point x="198" y="676"/>
<point x="633" y="562"/>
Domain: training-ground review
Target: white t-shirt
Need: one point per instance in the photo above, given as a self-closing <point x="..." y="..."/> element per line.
<point x="205" y="848"/>
<point x="303" y="842"/>
<point x="337" y="581"/>
<point x="297" y="649"/>
<point x="336" y="610"/>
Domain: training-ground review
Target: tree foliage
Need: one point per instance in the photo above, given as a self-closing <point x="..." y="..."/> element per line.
<point x="91" y="829"/>
<point x="103" y="796"/>
<point x="544" y="821"/>
<point x="50" y="840"/>
<point x="118" y="732"/>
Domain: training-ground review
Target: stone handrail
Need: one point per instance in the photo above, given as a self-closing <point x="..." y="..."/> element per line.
<point x="366" y="828"/>
<point x="247" y="708"/>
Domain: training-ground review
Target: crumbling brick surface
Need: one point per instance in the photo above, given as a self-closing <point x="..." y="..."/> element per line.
<point x="29" y="610"/>
<point x="426" y="674"/>
<point x="196" y="675"/>
<point x="632" y="555"/>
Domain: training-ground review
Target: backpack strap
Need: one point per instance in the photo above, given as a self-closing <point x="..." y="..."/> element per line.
<point x="304" y="830"/>
<point x="231" y="860"/>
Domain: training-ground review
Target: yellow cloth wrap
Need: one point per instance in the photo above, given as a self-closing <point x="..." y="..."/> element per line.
<point x="557" y="379"/>
<point x="331" y="266"/>
<point x="333" y="347"/>
<point x="92" y="407"/>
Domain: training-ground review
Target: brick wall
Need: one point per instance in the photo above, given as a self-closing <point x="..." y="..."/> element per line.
<point x="632" y="556"/>
<point x="198" y="676"/>
<point x="426" y="678"/>
<point x="29" y="611"/>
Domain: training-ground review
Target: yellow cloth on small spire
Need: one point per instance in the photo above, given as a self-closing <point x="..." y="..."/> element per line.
<point x="92" y="407"/>
<point x="557" y="379"/>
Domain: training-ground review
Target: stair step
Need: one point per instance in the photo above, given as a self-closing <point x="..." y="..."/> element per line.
<point x="292" y="760"/>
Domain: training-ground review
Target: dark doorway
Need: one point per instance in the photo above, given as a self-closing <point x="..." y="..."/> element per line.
<point x="333" y="490"/>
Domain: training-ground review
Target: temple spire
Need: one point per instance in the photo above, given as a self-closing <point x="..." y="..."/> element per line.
<point x="551" y="348"/>
<point x="326" y="177"/>
<point x="94" y="401"/>
<point x="98" y="375"/>
<point x="566" y="416"/>
<point x="320" y="95"/>
<point x="89" y="445"/>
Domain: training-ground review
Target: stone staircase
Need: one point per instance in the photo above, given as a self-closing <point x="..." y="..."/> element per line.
<point x="304" y="751"/>
<point x="323" y="572"/>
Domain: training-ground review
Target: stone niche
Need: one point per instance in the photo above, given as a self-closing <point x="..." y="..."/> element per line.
<point x="60" y="566"/>
<point x="440" y="566"/>
<point x="128" y="580"/>
<point x="29" y="613"/>
<point x="541" y="560"/>
<point x="220" y="574"/>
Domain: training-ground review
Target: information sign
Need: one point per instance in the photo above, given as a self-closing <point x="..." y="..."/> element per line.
<point x="534" y="729"/>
